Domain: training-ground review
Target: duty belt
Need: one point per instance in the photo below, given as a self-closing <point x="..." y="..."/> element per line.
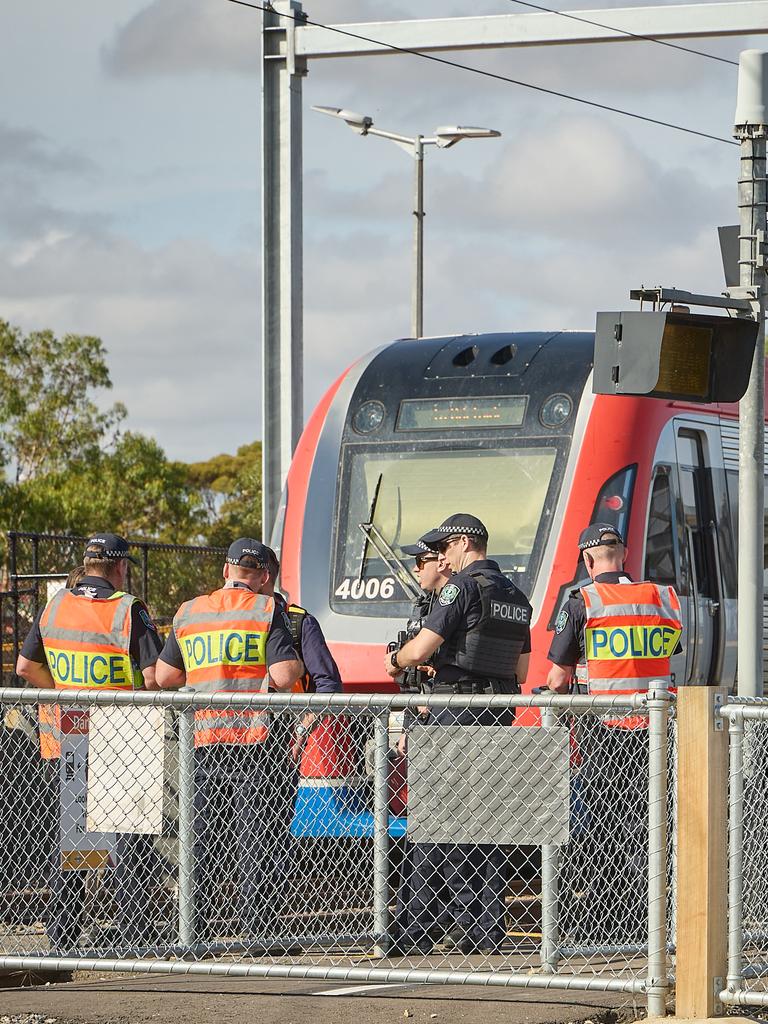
<point x="477" y="686"/>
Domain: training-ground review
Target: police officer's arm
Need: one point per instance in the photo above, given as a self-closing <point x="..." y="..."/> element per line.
<point x="559" y="678"/>
<point x="32" y="664"/>
<point x="35" y="673"/>
<point x="564" y="651"/>
<point x="317" y="657"/>
<point x="169" y="669"/>
<point x="416" y="651"/>
<point x="146" y="643"/>
<point x="285" y="666"/>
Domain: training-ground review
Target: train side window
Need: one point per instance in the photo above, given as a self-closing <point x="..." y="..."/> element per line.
<point x="660" y="561"/>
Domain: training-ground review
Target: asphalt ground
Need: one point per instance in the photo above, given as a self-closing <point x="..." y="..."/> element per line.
<point x="99" y="998"/>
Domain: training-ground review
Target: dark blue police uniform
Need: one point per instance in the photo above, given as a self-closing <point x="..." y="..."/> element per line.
<point x="484" y="620"/>
<point x="136" y="871"/>
<point x="233" y="788"/>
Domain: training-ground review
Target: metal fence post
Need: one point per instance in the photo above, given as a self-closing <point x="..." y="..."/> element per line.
<point x="657" y="982"/>
<point x="735" y="851"/>
<point x="381" y="831"/>
<point x="550" y="858"/>
<point x="187" y="827"/>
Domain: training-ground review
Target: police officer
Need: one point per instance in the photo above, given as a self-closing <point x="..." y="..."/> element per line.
<point x="433" y="572"/>
<point x="235" y="640"/>
<point x="479" y="633"/>
<point x="613" y="636"/>
<point x="117" y="649"/>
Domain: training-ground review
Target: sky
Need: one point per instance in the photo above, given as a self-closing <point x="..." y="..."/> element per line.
<point x="130" y="193"/>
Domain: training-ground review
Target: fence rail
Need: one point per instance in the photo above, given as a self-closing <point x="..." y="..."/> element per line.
<point x="530" y="857"/>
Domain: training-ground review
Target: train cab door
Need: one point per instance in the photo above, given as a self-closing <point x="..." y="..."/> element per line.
<point x="701" y="593"/>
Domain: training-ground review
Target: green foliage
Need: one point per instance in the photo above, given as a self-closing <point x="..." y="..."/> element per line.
<point x="71" y="471"/>
<point x="47" y="417"/>
<point x="230" y="487"/>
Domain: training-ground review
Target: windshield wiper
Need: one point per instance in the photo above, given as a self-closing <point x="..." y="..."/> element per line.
<point x="373" y="537"/>
<point x="388" y="556"/>
<point x="371" y="514"/>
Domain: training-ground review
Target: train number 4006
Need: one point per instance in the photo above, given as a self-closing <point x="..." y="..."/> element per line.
<point x="352" y="589"/>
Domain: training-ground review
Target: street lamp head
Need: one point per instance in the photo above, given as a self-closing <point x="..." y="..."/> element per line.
<point x="449" y="135"/>
<point x="359" y="123"/>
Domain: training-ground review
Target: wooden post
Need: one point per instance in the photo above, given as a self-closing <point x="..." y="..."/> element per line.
<point x="702" y="876"/>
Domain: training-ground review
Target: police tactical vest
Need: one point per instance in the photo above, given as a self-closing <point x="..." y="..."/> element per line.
<point x="631" y="632"/>
<point x="296" y="616"/>
<point x="492" y="647"/>
<point x="87" y="646"/>
<point x="223" y="642"/>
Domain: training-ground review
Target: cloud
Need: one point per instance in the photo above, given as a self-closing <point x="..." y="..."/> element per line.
<point x="183" y="36"/>
<point x="576" y="178"/>
<point x="29" y="162"/>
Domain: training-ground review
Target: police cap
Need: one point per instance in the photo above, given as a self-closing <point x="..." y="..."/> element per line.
<point x="248" y="553"/>
<point x="419" y="548"/>
<point x="454" y="526"/>
<point x="599" y="534"/>
<point x="109" y="546"/>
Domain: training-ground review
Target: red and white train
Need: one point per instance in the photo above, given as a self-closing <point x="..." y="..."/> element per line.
<point x="505" y="426"/>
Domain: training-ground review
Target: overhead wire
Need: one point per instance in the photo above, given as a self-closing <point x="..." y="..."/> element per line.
<point x="626" y="32"/>
<point x="304" y="20"/>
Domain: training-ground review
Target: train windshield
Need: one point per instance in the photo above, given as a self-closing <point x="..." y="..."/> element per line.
<point x="406" y="491"/>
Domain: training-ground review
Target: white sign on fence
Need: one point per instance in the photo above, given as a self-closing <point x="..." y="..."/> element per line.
<point x="125" y="770"/>
<point x="80" y="848"/>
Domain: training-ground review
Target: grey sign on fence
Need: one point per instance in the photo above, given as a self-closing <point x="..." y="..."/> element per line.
<point x="488" y="784"/>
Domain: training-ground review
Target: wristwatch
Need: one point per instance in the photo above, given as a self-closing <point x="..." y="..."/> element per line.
<point x="393" y="660"/>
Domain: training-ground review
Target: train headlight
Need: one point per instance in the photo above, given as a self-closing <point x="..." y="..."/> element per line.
<point x="368" y="417"/>
<point x="555" y="410"/>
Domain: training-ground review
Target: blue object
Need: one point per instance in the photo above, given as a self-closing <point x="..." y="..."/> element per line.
<point x="337" y="811"/>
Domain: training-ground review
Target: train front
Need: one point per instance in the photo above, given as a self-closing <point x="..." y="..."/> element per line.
<point x="418" y="430"/>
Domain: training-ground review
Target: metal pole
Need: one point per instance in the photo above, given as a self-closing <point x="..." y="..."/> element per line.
<point x="735" y="852"/>
<point x="750" y="130"/>
<point x="657" y="982"/>
<point x="282" y="270"/>
<point x="381" y="832"/>
<point x="549" y="952"/>
<point x="417" y="298"/>
<point x="187" y="828"/>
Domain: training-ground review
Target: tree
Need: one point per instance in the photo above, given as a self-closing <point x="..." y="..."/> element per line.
<point x="48" y="418"/>
<point x="230" y="486"/>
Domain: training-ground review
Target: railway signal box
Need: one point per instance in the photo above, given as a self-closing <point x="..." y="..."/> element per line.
<point x="682" y="356"/>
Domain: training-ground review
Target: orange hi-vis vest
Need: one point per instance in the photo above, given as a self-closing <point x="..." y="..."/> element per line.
<point x="632" y="630"/>
<point x="223" y="641"/>
<point x="87" y="646"/>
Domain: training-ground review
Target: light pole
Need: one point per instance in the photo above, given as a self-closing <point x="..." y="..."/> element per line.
<point x="414" y="145"/>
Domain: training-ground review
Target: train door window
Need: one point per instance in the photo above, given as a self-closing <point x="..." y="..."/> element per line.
<point x="660" y="546"/>
<point x="697" y="504"/>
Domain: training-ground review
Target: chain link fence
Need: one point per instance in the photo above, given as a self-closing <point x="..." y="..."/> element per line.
<point x="747" y="981"/>
<point x="534" y="856"/>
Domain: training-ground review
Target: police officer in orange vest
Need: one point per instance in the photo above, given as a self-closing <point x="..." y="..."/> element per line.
<point x="116" y="649"/>
<point x="235" y="640"/>
<point x="613" y="636"/>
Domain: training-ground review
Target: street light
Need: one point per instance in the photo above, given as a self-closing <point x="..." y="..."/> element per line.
<point x="444" y="138"/>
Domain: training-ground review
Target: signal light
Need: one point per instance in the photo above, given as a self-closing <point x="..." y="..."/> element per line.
<point x="684" y="356"/>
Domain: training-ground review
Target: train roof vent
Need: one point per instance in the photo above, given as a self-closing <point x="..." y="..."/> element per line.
<point x="466" y="356"/>
<point x="485" y="355"/>
<point x="503" y="355"/>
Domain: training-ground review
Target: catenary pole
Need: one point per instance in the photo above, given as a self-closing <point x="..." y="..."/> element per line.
<point x="750" y="129"/>
<point x="417" y="303"/>
<point x="282" y="243"/>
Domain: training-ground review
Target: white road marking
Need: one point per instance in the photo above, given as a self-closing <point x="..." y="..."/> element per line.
<point x="358" y="988"/>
